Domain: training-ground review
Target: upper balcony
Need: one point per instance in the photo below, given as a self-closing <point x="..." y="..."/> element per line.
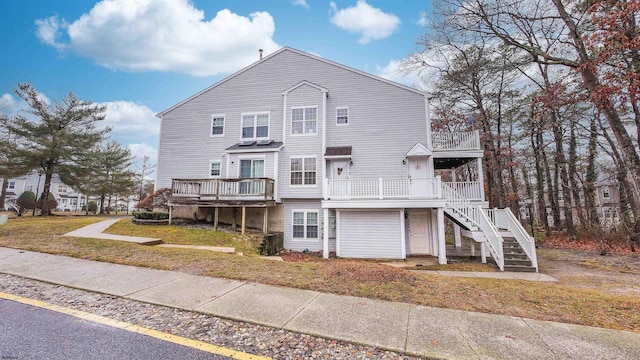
<point x="456" y="141"/>
<point x="398" y="189"/>
<point x="215" y="192"/>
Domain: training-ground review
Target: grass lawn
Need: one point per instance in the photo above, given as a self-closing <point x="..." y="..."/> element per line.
<point x="543" y="301"/>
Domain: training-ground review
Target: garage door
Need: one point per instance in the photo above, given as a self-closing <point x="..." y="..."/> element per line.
<point x="371" y="234"/>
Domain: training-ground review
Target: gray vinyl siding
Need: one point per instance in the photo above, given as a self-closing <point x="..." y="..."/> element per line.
<point x="297" y="145"/>
<point x="385" y="121"/>
<point x="300" y="244"/>
<point x="370" y="234"/>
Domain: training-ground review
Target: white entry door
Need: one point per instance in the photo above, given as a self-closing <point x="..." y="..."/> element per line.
<point x="340" y="178"/>
<point x="418" y="173"/>
<point x="418" y="233"/>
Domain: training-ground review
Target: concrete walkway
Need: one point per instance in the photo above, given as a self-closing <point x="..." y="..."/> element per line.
<point x="427" y="331"/>
<point x="94" y="231"/>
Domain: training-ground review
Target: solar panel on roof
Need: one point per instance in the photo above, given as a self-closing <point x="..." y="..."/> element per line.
<point x="264" y="142"/>
<point x="246" y="143"/>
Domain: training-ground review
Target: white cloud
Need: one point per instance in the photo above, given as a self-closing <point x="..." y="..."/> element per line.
<point x="163" y="35"/>
<point x="143" y="149"/>
<point x="392" y="71"/>
<point x="423" y="19"/>
<point x="13" y="105"/>
<point x="49" y="30"/>
<point x="371" y="23"/>
<point x="302" y="3"/>
<point x="130" y="120"/>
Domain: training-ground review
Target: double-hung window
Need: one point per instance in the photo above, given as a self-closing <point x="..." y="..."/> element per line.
<point x="303" y="171"/>
<point x="217" y="125"/>
<point x="342" y="116"/>
<point x="606" y="193"/>
<point x="11" y="185"/>
<point x="215" y="169"/>
<point x="305" y="225"/>
<point x="304" y="120"/>
<point x="255" y="126"/>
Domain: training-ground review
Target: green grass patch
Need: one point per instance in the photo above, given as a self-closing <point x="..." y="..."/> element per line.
<point x="181" y="235"/>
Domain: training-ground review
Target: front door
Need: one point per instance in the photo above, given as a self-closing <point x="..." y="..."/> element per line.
<point x="252" y="168"/>
<point x="418" y="173"/>
<point x="418" y="233"/>
<point x="340" y="176"/>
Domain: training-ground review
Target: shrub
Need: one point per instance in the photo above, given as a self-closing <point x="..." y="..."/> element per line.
<point x="159" y="199"/>
<point x="150" y="215"/>
<point x="51" y="204"/>
<point x="92" y="207"/>
<point x="26" y="201"/>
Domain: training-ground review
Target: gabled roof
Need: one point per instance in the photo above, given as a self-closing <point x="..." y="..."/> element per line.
<point x="286" y="48"/>
<point x="419" y="150"/>
<point x="305" y="82"/>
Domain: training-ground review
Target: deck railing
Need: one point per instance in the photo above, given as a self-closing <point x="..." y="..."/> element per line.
<point x="504" y="219"/>
<point x="223" y="188"/>
<point x="456" y="140"/>
<point x="383" y="188"/>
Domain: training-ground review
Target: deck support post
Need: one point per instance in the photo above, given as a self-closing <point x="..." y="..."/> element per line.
<point x="170" y="208"/>
<point x="265" y="224"/>
<point x="456" y="236"/>
<point x="325" y="234"/>
<point x="216" y="214"/>
<point x="244" y="219"/>
<point x="483" y="253"/>
<point x="442" y="251"/>
<point x="472" y="245"/>
<point x="234" y="213"/>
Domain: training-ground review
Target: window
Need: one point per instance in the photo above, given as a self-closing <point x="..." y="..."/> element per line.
<point x="606" y="194"/>
<point x="217" y="125"/>
<point x="29" y="188"/>
<point x="251" y="168"/>
<point x="11" y="185"/>
<point x="215" y="168"/>
<point x="255" y="126"/>
<point x="304" y="120"/>
<point x="303" y="171"/>
<point x="305" y="224"/>
<point x="62" y="188"/>
<point x="342" y="116"/>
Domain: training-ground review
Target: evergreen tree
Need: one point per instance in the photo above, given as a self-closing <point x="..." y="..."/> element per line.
<point x="56" y="138"/>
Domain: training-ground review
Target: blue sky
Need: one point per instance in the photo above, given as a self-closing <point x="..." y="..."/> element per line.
<point x="139" y="57"/>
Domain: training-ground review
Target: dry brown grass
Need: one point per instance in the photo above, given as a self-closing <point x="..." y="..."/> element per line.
<point x="544" y="301"/>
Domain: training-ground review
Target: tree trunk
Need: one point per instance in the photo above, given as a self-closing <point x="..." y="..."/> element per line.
<point x="3" y="195"/>
<point x="44" y="209"/>
<point x="542" y="206"/>
<point x="591" y="176"/>
<point x="573" y="160"/>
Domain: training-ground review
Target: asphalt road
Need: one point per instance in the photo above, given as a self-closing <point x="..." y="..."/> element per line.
<point x="28" y="332"/>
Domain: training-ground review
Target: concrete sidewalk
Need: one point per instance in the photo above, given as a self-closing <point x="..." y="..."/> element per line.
<point x="432" y="332"/>
<point x="94" y="231"/>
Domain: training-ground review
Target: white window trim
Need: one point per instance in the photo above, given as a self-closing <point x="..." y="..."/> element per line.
<point x="11" y="185"/>
<point x="607" y="192"/>
<point x="319" y="225"/>
<point x="303" y="185"/>
<point x="213" y="162"/>
<point x="348" y="116"/>
<point x="224" y="124"/>
<point x="255" y="124"/>
<point x="303" y="121"/>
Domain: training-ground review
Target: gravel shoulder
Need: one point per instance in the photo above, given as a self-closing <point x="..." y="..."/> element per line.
<point x="254" y="339"/>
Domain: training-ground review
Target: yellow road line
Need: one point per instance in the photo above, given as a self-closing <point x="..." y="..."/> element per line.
<point x="200" y="345"/>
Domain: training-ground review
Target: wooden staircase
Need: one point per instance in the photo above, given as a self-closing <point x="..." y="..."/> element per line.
<point x="514" y="257"/>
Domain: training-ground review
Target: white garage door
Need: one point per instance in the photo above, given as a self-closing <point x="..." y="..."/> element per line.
<point x="371" y="234"/>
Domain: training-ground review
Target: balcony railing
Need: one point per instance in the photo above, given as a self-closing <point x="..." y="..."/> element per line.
<point x="224" y="189"/>
<point x="383" y="188"/>
<point x="456" y="141"/>
<point x="399" y="188"/>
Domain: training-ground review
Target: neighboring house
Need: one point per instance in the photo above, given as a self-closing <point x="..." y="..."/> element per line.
<point x="608" y="203"/>
<point x="337" y="159"/>
<point x="68" y="199"/>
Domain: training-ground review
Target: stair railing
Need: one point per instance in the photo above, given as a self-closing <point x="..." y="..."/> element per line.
<point x="494" y="239"/>
<point x="460" y="205"/>
<point x="526" y="242"/>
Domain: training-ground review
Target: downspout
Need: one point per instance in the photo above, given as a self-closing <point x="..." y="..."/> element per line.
<point x="428" y="119"/>
<point x="324" y="142"/>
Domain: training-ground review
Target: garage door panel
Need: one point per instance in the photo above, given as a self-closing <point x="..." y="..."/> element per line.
<point x="373" y="234"/>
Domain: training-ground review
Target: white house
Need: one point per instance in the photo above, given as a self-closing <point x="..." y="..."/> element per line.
<point x="68" y="199"/>
<point x="337" y="159"/>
